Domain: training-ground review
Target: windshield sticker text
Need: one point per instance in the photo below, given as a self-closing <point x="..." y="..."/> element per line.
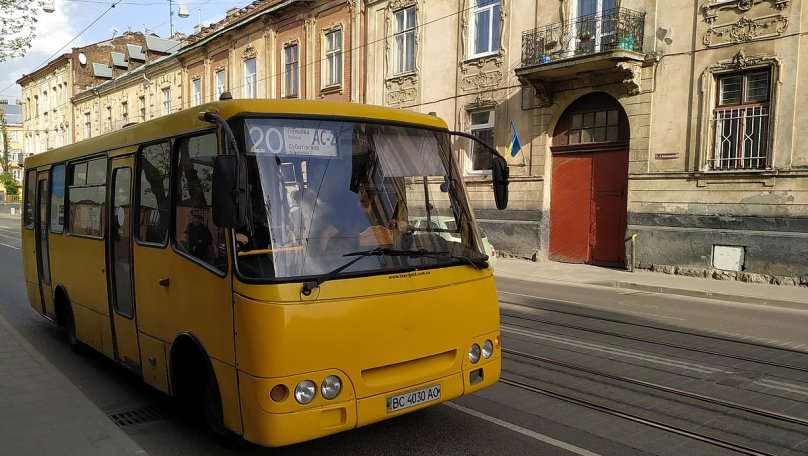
<point x="293" y="141"/>
<point x="408" y="275"/>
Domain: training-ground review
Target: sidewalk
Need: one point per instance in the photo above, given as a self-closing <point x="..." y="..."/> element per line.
<point x="42" y="413"/>
<point x="586" y="275"/>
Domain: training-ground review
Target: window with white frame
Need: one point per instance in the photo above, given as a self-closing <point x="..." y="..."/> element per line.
<point x="404" y="40"/>
<point x="333" y="58"/>
<point x="250" y="89"/>
<point x="741" y="121"/>
<point x="221" y="84"/>
<point x="482" y="126"/>
<point x="484" y="27"/>
<point x="167" y="100"/>
<point x="196" y="88"/>
<point x="290" y="62"/>
<point x="88" y="126"/>
<point x="17" y="173"/>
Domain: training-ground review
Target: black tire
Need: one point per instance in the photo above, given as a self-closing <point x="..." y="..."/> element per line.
<point x="70" y="331"/>
<point x="212" y="415"/>
<point x="211" y="405"/>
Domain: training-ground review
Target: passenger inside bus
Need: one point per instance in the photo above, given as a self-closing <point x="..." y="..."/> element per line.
<point x="198" y="237"/>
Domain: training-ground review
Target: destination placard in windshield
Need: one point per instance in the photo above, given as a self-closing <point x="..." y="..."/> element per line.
<point x="296" y="138"/>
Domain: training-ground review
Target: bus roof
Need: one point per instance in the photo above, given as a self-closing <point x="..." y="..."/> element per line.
<point x="187" y="121"/>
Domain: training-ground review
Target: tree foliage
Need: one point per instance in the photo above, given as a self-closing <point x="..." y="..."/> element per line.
<point x="10" y="184"/>
<point x="17" y="26"/>
<point x="4" y="143"/>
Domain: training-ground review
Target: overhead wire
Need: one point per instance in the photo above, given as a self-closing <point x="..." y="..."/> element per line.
<point x="305" y="66"/>
<point x="71" y="40"/>
<point x="383" y="38"/>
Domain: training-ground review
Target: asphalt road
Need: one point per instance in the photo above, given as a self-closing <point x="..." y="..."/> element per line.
<point x="583" y="326"/>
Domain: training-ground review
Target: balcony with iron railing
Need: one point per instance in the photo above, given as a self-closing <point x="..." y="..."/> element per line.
<point x="591" y="43"/>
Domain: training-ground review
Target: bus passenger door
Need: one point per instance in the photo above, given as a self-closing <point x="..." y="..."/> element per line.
<point x="42" y="260"/>
<point x="119" y="264"/>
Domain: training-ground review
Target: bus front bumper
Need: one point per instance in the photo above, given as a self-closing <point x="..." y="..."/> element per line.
<point x="287" y="423"/>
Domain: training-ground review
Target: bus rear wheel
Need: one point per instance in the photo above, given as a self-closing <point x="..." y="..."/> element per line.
<point x="70" y="328"/>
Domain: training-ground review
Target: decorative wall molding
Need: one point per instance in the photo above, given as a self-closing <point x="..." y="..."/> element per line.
<point x="541" y="90"/>
<point x="401" y="89"/>
<point x="402" y="96"/>
<point x="632" y="76"/>
<point x="482" y="101"/>
<point x="741" y="62"/>
<point x="488" y="61"/>
<point x="712" y="8"/>
<point x="745" y="30"/>
<point x="249" y="52"/>
<point x="482" y="80"/>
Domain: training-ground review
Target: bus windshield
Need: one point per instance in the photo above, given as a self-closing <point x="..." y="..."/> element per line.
<point x="321" y="191"/>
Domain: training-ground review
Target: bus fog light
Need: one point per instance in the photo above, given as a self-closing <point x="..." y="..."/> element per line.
<point x="305" y="391"/>
<point x="488" y="348"/>
<point x="331" y="387"/>
<point x="474" y="353"/>
<point x="279" y="393"/>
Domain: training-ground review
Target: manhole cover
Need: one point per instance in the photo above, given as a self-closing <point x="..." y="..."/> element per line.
<point x="139" y="415"/>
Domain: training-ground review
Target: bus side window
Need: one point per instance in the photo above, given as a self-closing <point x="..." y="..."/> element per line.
<point x="57" y="209"/>
<point x="194" y="231"/>
<point x="30" y="194"/>
<point x="87" y="197"/>
<point x="153" y="203"/>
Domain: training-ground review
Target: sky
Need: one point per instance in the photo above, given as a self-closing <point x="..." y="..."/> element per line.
<point x="56" y="30"/>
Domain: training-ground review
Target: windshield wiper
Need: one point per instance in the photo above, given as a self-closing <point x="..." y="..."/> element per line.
<point x="384" y="251"/>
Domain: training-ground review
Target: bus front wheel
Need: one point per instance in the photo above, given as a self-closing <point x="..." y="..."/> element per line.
<point x="211" y="402"/>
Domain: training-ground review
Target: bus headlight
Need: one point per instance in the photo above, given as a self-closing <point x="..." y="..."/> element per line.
<point x="331" y="387"/>
<point x="305" y="391"/>
<point x="474" y="353"/>
<point x="488" y="348"/>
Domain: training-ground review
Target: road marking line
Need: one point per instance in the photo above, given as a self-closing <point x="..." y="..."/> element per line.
<point x="521" y="430"/>
<point x="9" y="246"/>
<point x="614" y="351"/>
<point x="783" y="386"/>
<point x="621" y="310"/>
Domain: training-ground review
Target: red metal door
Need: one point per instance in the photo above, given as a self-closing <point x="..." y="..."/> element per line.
<point x="571" y="198"/>
<point x="609" y="200"/>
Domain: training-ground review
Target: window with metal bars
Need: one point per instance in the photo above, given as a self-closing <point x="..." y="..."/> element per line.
<point x="741" y="121"/>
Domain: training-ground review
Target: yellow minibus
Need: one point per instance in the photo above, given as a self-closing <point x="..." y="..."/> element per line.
<point x="260" y="261"/>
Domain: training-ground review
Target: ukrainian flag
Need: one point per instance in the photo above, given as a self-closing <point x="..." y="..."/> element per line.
<point x="515" y="146"/>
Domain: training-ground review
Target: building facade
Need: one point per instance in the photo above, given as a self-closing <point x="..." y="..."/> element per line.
<point x="670" y="125"/>
<point x="457" y="59"/>
<point x="268" y="49"/>
<point x="11" y="136"/>
<point x="673" y="123"/>
<point x="49" y="119"/>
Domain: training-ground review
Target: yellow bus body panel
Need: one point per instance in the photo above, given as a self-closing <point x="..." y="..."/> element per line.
<point x="388" y="334"/>
<point x="382" y="335"/>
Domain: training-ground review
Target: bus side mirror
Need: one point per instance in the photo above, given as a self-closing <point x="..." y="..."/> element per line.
<point x="499" y="175"/>
<point x="229" y="193"/>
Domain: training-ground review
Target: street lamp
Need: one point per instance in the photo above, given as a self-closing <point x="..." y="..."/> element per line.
<point x="48" y="7"/>
<point x="183" y="13"/>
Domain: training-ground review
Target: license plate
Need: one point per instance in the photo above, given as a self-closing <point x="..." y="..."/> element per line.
<point x="409" y="399"/>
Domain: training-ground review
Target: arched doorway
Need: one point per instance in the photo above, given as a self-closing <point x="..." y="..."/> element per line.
<point x="588" y="196"/>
